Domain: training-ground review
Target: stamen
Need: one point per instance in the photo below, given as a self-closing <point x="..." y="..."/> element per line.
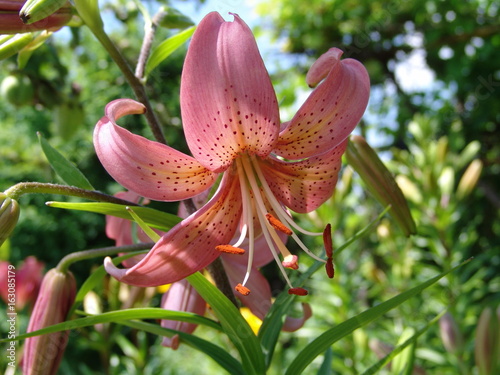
<point x="291" y="261"/>
<point x="242" y="289"/>
<point x="330" y="270"/>
<point x="327" y="241"/>
<point x="230" y="249"/>
<point x="298" y="291"/>
<point x="278" y="225"/>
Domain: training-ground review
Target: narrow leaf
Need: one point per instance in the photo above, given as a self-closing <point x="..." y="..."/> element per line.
<point x="321" y="343"/>
<point x="219" y="355"/>
<point x="167" y="47"/>
<point x="155" y="218"/>
<point x="233" y="324"/>
<point x="398" y="349"/>
<point x="128" y="314"/>
<point x="68" y="172"/>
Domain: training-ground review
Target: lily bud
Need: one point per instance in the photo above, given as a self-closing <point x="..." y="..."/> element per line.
<point x="487" y="343"/>
<point x="43" y="353"/>
<point x="380" y="182"/>
<point x="37" y="15"/>
<point x="451" y="336"/>
<point x="36" y="10"/>
<point x="9" y="214"/>
<point x="469" y="179"/>
<point x="181" y="296"/>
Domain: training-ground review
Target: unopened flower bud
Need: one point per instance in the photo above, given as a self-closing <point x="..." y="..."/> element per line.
<point x="380" y="182"/>
<point x="9" y="214"/>
<point x="469" y="179"/>
<point x="36" y="10"/>
<point x="451" y="336"/>
<point x="487" y="343"/>
<point x="43" y="353"/>
<point x="17" y="17"/>
<point x="181" y="296"/>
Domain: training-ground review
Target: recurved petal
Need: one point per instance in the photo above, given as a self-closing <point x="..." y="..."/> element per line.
<point x="190" y="245"/>
<point x="228" y="103"/>
<point x="304" y="185"/>
<point x="149" y="168"/>
<point x="332" y="110"/>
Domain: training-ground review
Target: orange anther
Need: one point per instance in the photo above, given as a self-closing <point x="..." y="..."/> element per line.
<point x="278" y="225"/>
<point x="229" y="249"/>
<point x="242" y="289"/>
<point x="298" y="291"/>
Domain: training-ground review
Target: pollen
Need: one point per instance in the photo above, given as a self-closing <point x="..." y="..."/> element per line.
<point x="242" y="289"/>
<point x="230" y="249"/>
<point x="278" y="225"/>
<point x="298" y="291"/>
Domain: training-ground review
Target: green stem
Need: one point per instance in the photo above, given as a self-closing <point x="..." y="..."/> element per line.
<point x="17" y="190"/>
<point x="69" y="259"/>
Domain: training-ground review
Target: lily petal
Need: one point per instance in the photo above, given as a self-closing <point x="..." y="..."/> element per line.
<point x="190" y="245"/>
<point x="332" y="110"/>
<point x="220" y="119"/>
<point x="304" y="185"/>
<point x="151" y="169"/>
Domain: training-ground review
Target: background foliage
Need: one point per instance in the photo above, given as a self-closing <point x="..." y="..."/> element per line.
<point x="427" y="133"/>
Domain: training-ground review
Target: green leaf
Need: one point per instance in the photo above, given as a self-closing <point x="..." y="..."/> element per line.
<point x="403" y="362"/>
<point x="166" y="48"/>
<point x="233" y="324"/>
<point x="155" y="218"/>
<point x="95" y="278"/>
<point x="69" y="173"/>
<point x="116" y="316"/>
<point x="321" y="343"/>
<point x="398" y="349"/>
<point x="326" y="366"/>
<point x="219" y="355"/>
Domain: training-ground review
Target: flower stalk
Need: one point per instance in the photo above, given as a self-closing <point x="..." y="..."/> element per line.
<point x="17" y="190"/>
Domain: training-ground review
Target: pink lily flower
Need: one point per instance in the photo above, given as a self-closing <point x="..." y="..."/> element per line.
<point x="231" y="120"/>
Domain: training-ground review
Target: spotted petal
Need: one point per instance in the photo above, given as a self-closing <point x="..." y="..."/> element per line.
<point x="149" y="168"/>
<point x="190" y="245"/>
<point x="304" y="185"/>
<point x="228" y="103"/>
<point x="332" y="110"/>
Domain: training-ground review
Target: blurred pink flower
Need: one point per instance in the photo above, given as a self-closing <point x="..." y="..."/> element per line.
<point x="28" y="277"/>
<point x="232" y="126"/>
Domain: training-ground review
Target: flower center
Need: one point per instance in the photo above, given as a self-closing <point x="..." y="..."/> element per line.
<point x="262" y="210"/>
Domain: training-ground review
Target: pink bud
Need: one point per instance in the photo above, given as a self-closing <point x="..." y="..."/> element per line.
<point x="487" y="343"/>
<point x="450" y="334"/>
<point x="43" y="353"/>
